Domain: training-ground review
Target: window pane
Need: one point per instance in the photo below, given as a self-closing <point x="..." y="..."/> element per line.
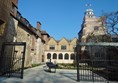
<point x="72" y="56"/>
<point x="96" y="28"/>
<point x="63" y="47"/>
<point x="48" y="56"/>
<point x="60" y="56"/>
<point x="1" y="22"/>
<point x="74" y="47"/>
<point x="66" y="56"/>
<point x="54" y="56"/>
<point x="52" y="47"/>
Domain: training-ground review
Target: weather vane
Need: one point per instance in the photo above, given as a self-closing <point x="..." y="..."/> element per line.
<point x="88" y="6"/>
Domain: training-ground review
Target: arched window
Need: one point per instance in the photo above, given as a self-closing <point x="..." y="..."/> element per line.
<point x="48" y="56"/>
<point x="60" y="56"/>
<point x="66" y="56"/>
<point x="72" y="56"/>
<point x="54" y="56"/>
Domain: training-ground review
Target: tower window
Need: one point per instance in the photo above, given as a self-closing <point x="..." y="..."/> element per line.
<point x="96" y="28"/>
<point x="90" y="16"/>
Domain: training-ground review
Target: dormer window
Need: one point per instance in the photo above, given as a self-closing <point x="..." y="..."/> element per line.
<point x="26" y="22"/>
<point x="12" y="8"/>
<point x="18" y="15"/>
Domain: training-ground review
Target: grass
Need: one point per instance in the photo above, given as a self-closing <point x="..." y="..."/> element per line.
<point x="35" y="65"/>
<point x="67" y="66"/>
<point x="32" y="65"/>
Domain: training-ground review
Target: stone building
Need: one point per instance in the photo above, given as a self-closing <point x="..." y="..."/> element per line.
<point x="15" y="28"/>
<point x="45" y="37"/>
<point x="5" y="6"/>
<point x="91" y="26"/>
<point x="92" y="30"/>
<point x="4" y="19"/>
<point x="60" y="51"/>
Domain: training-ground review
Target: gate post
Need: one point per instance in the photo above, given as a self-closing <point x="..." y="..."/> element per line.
<point x="77" y="55"/>
<point x="23" y="60"/>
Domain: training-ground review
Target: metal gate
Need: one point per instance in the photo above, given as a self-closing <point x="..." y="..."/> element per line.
<point x="12" y="59"/>
<point x="97" y="62"/>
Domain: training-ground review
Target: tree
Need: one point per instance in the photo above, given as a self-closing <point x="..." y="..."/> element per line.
<point x="111" y="23"/>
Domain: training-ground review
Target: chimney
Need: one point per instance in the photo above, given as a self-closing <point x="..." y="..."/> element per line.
<point x="15" y="2"/>
<point x="38" y="25"/>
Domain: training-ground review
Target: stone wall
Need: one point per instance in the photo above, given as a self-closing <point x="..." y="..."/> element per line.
<point x="4" y="17"/>
<point x="18" y="29"/>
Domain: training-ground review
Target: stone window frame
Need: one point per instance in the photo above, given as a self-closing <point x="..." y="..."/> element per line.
<point x="2" y="24"/>
<point x="66" y="56"/>
<point x="74" y="47"/>
<point x="96" y="28"/>
<point x="54" y="56"/>
<point x="52" y="47"/>
<point x="72" y="56"/>
<point x="60" y="56"/>
<point x="49" y="56"/>
<point x="13" y="7"/>
<point x="63" y="47"/>
<point x="18" y="15"/>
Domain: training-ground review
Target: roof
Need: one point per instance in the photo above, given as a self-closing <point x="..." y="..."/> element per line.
<point x="43" y="32"/>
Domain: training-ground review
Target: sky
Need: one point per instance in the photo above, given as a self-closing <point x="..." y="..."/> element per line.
<point x="62" y="18"/>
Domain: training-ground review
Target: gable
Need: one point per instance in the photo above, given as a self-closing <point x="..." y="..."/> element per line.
<point x="74" y="41"/>
<point x="63" y="41"/>
<point x="52" y="42"/>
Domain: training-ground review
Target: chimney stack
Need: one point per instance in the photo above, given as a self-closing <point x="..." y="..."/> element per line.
<point x="38" y="25"/>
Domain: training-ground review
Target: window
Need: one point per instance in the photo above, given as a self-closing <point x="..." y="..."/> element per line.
<point x="18" y="15"/>
<point x="1" y="27"/>
<point x="26" y="22"/>
<point x="66" y="56"/>
<point x="74" y="47"/>
<point x="63" y="47"/>
<point x="48" y="56"/>
<point x="54" y="56"/>
<point x="13" y="8"/>
<point x="90" y="16"/>
<point x="52" y="47"/>
<point x="96" y="28"/>
<point x="1" y="22"/>
<point x="72" y="56"/>
<point x="60" y="56"/>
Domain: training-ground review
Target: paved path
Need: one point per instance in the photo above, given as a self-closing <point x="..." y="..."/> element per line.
<point x="38" y="75"/>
